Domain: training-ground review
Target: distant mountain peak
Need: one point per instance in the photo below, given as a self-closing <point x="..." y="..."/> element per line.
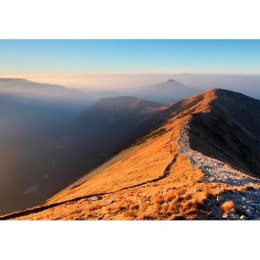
<point x="171" y="80"/>
<point x="171" y="83"/>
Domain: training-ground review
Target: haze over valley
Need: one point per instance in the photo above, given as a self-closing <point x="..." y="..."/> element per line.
<point x="49" y="131"/>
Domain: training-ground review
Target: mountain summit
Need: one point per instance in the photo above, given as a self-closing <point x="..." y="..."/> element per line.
<point x="230" y="132"/>
<point x="171" y="80"/>
<point x="167" y="92"/>
<point x="200" y="160"/>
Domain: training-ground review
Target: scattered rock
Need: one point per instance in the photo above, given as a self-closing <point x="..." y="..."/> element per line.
<point x="250" y="208"/>
<point x="135" y="207"/>
<point x="249" y="213"/>
<point x="213" y="169"/>
<point x="246" y="203"/>
<point x="122" y="208"/>
<point x="164" y="191"/>
<point x="215" y="211"/>
<point x="94" y="198"/>
<point x="110" y="202"/>
<point x="146" y="198"/>
<point x="233" y="214"/>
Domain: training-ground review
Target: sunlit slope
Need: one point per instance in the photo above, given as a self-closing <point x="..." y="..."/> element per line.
<point x="141" y="162"/>
<point x="159" y="177"/>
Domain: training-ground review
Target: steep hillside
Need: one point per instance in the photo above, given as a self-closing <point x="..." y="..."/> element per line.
<point x="100" y="132"/>
<point x="230" y="132"/>
<point x="190" y="166"/>
<point x="44" y="148"/>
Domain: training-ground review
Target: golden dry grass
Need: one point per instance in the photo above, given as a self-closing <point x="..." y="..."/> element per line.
<point x="226" y="207"/>
<point x="177" y="196"/>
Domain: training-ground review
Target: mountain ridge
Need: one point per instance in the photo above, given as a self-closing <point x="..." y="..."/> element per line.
<point x="42" y="91"/>
<point x="166" y="92"/>
<point x="163" y="177"/>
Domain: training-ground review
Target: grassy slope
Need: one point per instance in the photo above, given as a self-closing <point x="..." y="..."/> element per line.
<point x="134" y="184"/>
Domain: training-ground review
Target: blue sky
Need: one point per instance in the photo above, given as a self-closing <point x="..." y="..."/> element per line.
<point x="124" y="63"/>
<point x="130" y="56"/>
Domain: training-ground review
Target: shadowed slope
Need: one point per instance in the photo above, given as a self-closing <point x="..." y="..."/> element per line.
<point x="101" y="131"/>
<point x="230" y="132"/>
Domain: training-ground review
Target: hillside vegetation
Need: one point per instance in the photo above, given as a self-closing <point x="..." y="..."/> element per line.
<point x="181" y="169"/>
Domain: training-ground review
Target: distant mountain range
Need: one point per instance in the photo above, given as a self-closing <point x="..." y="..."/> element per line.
<point x="50" y="92"/>
<point x="169" y="91"/>
<point x="166" y="92"/>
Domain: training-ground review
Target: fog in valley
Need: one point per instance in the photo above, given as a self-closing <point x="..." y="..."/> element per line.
<point x="136" y="84"/>
<point x="31" y="123"/>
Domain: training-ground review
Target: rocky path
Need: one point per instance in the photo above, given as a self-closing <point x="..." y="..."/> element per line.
<point x="247" y="203"/>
